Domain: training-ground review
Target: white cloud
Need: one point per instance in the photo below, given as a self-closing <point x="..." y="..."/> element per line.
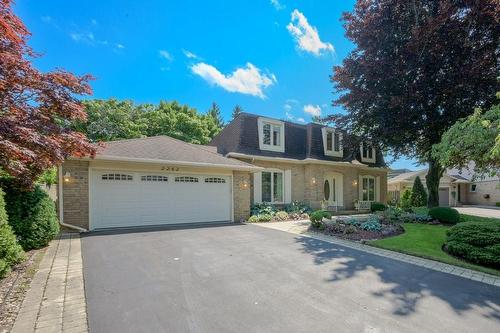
<point x="313" y="110"/>
<point x="166" y="55"/>
<point x="306" y="35"/>
<point x="46" y="19"/>
<point x="289" y="116"/>
<point x="287" y="107"/>
<point x="93" y="22"/>
<point x="190" y="54"/>
<point x="120" y="46"/>
<point x="245" y="80"/>
<point x="277" y="5"/>
<point x="301" y="120"/>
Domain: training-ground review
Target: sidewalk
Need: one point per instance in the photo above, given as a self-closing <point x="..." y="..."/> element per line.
<point x="301" y="228"/>
<point x="55" y="301"/>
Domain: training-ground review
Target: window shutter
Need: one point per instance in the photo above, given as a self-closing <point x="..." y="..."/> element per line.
<point x="360" y="188"/>
<point x="257" y="187"/>
<point x="377" y="189"/>
<point x="288" y="186"/>
<point x="340" y="196"/>
<point x="341" y="139"/>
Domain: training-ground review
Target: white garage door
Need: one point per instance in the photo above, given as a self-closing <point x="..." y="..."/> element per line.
<point x="124" y="199"/>
<point x="444" y="197"/>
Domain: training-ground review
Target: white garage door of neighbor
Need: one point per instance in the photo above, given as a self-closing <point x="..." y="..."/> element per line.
<point x="444" y="197"/>
<point x="124" y="199"/>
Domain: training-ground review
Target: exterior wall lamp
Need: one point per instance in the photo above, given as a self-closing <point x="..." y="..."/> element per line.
<point x="67" y="177"/>
<point x="244" y="184"/>
<point x="354" y="182"/>
<point x="313" y="180"/>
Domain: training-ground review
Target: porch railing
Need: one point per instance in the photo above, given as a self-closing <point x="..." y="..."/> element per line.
<point x="364" y="205"/>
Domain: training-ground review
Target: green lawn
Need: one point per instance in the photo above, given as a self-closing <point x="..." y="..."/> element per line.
<point x="425" y="240"/>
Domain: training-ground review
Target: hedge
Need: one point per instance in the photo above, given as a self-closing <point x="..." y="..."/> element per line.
<point x="477" y="242"/>
<point x="445" y="214"/>
<point x="11" y="252"/>
<point x="32" y="216"/>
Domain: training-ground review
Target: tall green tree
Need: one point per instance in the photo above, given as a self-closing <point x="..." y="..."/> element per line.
<point x="475" y="138"/>
<point x="236" y="111"/>
<point x="418" y="66"/>
<point x="418" y="196"/>
<point x="214" y="112"/>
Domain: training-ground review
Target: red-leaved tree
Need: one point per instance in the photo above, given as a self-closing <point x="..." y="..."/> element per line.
<point x="35" y="108"/>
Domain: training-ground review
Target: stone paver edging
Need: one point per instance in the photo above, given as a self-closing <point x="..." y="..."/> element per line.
<point x="55" y="301"/>
<point x="301" y="228"/>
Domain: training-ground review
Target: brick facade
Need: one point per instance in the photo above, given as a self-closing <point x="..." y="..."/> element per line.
<point x="241" y="195"/>
<point x="76" y="193"/>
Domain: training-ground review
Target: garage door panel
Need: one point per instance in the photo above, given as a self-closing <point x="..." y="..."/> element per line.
<point x="150" y="199"/>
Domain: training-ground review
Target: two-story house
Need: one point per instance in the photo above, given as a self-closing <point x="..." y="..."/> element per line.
<point x="309" y="163"/>
<point x="161" y="180"/>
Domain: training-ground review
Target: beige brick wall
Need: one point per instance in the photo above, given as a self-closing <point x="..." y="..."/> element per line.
<point x="241" y="195"/>
<point x="303" y="188"/>
<point x="76" y="193"/>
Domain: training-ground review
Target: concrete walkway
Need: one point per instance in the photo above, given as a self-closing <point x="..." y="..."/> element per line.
<point x="479" y="211"/>
<point x="301" y="228"/>
<point x="55" y="301"/>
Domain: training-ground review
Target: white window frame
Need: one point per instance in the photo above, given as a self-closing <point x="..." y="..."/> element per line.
<point x="325" y="131"/>
<point x="368" y="189"/>
<point x="272" y="172"/>
<point x="475" y="188"/>
<point x="271" y="147"/>
<point x="367" y="159"/>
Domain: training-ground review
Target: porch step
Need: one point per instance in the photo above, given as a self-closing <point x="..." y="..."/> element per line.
<point x="344" y="212"/>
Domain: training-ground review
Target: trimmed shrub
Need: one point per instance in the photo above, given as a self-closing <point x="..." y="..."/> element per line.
<point x="418" y="194"/>
<point x="263" y="208"/>
<point x="265" y="217"/>
<point x="477" y="242"/>
<point x="281" y="216"/>
<point x="445" y="214"/>
<point x="32" y="216"/>
<point x="497" y="204"/>
<point x="298" y="207"/>
<point x="11" y="253"/>
<point x="420" y="210"/>
<point x="405" y="201"/>
<point x="317" y="217"/>
<point x="377" y="207"/>
<point x="352" y="221"/>
<point x="253" y="219"/>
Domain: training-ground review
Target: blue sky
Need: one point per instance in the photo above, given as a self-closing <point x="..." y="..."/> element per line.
<point x="271" y="57"/>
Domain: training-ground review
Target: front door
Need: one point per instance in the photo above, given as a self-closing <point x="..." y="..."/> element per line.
<point x="333" y="189"/>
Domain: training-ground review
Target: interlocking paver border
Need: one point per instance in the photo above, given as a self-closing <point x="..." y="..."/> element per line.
<point x="301" y="228"/>
<point x="55" y="301"/>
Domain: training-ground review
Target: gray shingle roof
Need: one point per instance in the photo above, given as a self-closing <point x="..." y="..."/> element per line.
<point x="165" y="148"/>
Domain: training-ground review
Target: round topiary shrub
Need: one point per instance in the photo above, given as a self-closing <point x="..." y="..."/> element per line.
<point x="477" y="242"/>
<point x="11" y="253"/>
<point x="281" y="216"/>
<point x="253" y="219"/>
<point x="32" y="216"/>
<point x="265" y="217"/>
<point x="377" y="207"/>
<point x="445" y="214"/>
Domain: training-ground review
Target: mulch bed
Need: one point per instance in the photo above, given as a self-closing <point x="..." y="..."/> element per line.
<point x="14" y="286"/>
<point x="347" y="232"/>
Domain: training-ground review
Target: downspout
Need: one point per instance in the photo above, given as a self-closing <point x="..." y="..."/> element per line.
<point x="61" y="204"/>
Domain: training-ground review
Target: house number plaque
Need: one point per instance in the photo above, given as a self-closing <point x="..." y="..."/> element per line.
<point x="168" y="168"/>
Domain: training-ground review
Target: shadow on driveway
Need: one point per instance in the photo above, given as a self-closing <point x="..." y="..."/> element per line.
<point x="408" y="283"/>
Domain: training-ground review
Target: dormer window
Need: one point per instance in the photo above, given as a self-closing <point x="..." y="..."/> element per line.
<point x="271" y="135"/>
<point x="332" y="142"/>
<point x="367" y="153"/>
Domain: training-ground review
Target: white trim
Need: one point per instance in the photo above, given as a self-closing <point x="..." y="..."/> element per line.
<point x="368" y="193"/>
<point x="367" y="159"/>
<point x="232" y="199"/>
<point x="158" y="161"/>
<point x="272" y="171"/>
<point x="272" y="122"/>
<point x="61" y="203"/>
<point x="339" y="188"/>
<point x="470" y="188"/>
<point x="304" y="161"/>
<point x="288" y="186"/>
<point x="324" y="132"/>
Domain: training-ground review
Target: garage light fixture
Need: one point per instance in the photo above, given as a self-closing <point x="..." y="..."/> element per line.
<point x="67" y="177"/>
<point x="313" y="180"/>
<point x="244" y="184"/>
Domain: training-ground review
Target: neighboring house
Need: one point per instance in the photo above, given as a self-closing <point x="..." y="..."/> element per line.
<point x="395" y="172"/>
<point x="308" y="163"/>
<point x="161" y="180"/>
<point x="456" y="187"/>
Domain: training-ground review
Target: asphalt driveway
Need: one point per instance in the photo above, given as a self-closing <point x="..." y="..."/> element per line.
<point x="244" y="278"/>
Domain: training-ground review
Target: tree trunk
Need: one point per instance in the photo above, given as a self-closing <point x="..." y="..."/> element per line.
<point x="432" y="181"/>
